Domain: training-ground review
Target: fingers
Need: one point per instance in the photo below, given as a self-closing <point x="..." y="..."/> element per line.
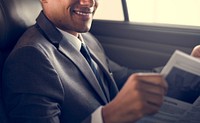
<point x="196" y="51"/>
<point x="151" y="87"/>
<point x="153" y="80"/>
<point x="150" y="82"/>
<point x="141" y="95"/>
<point x="154" y="100"/>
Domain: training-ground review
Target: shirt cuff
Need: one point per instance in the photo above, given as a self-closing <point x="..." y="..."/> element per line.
<point x="97" y="115"/>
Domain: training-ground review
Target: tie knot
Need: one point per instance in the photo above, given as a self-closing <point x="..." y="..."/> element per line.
<point x="84" y="47"/>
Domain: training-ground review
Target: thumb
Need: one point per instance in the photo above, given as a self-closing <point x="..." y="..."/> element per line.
<point x="196" y="51"/>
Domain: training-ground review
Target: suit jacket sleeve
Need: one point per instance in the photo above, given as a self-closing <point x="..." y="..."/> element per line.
<point x="121" y="73"/>
<point x="32" y="89"/>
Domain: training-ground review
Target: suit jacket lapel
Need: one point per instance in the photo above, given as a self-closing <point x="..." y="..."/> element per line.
<point x="56" y="38"/>
<point x="99" y="57"/>
<point x="102" y="64"/>
<point x="66" y="48"/>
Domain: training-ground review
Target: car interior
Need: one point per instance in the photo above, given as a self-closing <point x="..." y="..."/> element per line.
<point x="123" y="38"/>
<point x="15" y="17"/>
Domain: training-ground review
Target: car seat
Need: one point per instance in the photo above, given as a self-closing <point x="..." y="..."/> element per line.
<point x="15" y="17"/>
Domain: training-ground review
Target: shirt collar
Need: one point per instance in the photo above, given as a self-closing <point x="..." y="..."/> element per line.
<point x="75" y="41"/>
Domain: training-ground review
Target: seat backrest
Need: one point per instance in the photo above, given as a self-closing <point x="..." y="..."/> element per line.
<point x="15" y="17"/>
<point x="2" y="23"/>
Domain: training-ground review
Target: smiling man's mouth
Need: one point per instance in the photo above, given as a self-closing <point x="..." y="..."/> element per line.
<point x="84" y="11"/>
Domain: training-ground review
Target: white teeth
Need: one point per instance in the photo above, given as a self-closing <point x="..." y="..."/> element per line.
<point x="82" y="13"/>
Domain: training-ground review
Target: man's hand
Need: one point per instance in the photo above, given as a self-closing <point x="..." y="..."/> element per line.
<point x="196" y="51"/>
<point x="141" y="95"/>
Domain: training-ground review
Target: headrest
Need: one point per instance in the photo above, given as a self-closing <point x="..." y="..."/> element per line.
<point x="15" y="17"/>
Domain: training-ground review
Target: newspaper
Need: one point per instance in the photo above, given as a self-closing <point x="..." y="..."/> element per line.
<point x="182" y="102"/>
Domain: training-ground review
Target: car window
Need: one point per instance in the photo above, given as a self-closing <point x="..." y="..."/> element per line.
<point x="178" y="12"/>
<point x="109" y="10"/>
<point x="175" y="12"/>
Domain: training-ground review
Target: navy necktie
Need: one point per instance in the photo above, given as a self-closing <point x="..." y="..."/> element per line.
<point x="85" y="52"/>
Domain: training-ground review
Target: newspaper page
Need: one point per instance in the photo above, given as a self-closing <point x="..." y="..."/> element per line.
<point x="182" y="102"/>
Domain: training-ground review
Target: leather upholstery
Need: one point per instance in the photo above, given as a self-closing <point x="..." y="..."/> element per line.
<point x="2" y="35"/>
<point x="15" y="17"/>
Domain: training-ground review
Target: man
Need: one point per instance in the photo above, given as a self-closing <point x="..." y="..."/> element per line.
<point x="46" y="79"/>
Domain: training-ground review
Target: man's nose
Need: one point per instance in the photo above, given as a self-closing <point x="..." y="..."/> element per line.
<point x="87" y="2"/>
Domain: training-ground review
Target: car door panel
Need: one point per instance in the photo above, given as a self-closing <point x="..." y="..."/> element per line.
<point x="143" y="46"/>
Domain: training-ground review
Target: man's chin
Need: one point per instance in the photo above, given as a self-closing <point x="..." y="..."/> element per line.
<point x="85" y="27"/>
<point x="83" y="30"/>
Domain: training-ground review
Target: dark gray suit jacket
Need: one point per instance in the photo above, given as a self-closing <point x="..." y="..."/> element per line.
<point x="46" y="80"/>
